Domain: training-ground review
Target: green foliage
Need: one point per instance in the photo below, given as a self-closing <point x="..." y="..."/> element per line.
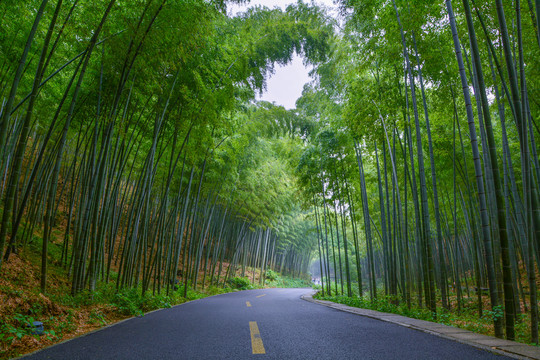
<point x="97" y="317"/>
<point x="129" y="302"/>
<point x="289" y="282"/>
<point x="271" y="275"/>
<point x="382" y="303"/>
<point x="275" y="279"/>
<point x="215" y="290"/>
<point x="240" y="283"/>
<point x="132" y="302"/>
<point x="20" y="325"/>
<point x="196" y="67"/>
<point x="496" y="313"/>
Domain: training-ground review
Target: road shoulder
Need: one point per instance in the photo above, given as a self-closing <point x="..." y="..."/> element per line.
<point x="499" y="346"/>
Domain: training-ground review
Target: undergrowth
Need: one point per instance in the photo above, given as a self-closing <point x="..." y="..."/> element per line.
<point x="275" y="279"/>
<point x="272" y="279"/>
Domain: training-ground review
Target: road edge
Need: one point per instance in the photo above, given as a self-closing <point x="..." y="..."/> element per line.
<point x="114" y="324"/>
<point x="492" y="344"/>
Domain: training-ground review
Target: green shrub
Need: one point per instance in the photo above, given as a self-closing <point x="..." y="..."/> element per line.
<point x="215" y="290"/>
<point x="271" y="275"/>
<point x="128" y="302"/>
<point x="154" y="302"/>
<point x="288" y="282"/>
<point x="240" y="283"/>
<point x="384" y="303"/>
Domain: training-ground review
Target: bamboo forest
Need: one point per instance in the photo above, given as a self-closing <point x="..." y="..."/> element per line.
<point x="137" y="159"/>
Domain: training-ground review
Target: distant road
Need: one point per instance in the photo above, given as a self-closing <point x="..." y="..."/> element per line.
<point x="268" y="323"/>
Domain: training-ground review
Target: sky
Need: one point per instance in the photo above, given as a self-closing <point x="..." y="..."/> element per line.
<point x="285" y="86"/>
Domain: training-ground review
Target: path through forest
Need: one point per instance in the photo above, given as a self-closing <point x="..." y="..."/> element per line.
<point x="269" y="323"/>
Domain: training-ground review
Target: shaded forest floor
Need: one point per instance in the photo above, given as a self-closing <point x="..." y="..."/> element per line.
<point x="467" y="317"/>
<point x="65" y="316"/>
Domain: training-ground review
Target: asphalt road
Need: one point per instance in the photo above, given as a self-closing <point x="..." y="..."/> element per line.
<point x="268" y="323"/>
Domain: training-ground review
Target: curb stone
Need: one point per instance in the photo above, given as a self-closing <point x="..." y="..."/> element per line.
<point x="492" y="344"/>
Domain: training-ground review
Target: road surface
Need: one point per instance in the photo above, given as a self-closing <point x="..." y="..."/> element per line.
<point x="265" y="324"/>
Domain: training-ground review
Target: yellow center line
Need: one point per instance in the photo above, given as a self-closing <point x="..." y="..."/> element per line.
<point x="248" y="304"/>
<point x="261" y="295"/>
<point x="256" y="341"/>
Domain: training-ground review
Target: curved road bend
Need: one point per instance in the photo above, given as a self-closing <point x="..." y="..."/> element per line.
<point x="265" y="324"/>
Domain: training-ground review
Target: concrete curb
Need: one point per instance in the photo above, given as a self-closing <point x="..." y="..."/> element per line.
<point x="492" y="344"/>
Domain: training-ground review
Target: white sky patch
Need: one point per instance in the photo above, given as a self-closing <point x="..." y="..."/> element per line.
<point x="286" y="85"/>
